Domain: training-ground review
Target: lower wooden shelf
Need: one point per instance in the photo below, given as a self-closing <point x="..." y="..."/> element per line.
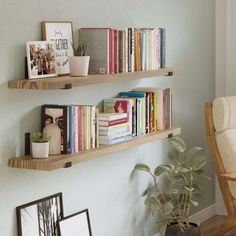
<point x="64" y="161"/>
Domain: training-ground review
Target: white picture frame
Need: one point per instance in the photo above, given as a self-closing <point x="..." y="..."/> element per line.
<point x="61" y="34"/>
<point x="41" y="61"/>
<point x="76" y="224"/>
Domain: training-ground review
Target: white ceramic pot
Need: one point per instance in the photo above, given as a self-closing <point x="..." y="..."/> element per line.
<point x="40" y="150"/>
<point x="79" y="65"/>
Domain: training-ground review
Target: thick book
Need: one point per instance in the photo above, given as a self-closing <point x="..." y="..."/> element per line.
<point x="98" y="49"/>
<point x="117" y="130"/>
<point x="114" y="127"/>
<point x="56" y="114"/>
<point x="113" y="136"/>
<point x="117" y="140"/>
<point x="111" y="116"/>
<point x="112" y="122"/>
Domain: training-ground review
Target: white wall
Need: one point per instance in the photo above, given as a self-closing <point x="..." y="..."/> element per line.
<point x="104" y="186"/>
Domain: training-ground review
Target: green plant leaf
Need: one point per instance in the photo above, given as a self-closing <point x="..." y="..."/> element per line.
<point x="178" y="143"/>
<point x="194" y="203"/>
<point x="173" y="156"/>
<point x="142" y="167"/>
<point x="168" y="208"/>
<point x="153" y="203"/>
<point x="199" y="162"/>
<point x="190" y="189"/>
<point x="193" y="151"/>
<point x="163" y="168"/>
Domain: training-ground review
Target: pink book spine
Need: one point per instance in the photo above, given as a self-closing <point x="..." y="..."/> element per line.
<point x="111" y="51"/>
<point x="80" y="132"/>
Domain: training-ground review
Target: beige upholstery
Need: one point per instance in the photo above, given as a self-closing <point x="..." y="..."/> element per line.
<point x="224" y="118"/>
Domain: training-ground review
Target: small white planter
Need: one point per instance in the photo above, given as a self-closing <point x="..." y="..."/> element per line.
<point x="40" y="150"/>
<point x="79" y="65"/>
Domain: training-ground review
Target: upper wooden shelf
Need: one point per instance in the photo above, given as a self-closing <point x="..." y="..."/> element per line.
<point x="63" y="161"/>
<point x="68" y="82"/>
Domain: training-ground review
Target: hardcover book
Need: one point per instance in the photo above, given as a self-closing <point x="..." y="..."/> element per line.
<point x="98" y="49"/>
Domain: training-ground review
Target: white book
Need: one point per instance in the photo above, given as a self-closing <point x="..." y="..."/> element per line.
<point x="111" y="116"/>
<point x="114" y="126"/>
<point x="93" y="126"/>
<point x="113" y="131"/>
<point x="113" y="136"/>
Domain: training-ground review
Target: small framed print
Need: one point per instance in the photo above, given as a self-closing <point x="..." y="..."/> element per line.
<point x="41" y="61"/>
<point x="40" y="217"/>
<point x="61" y="34"/>
<point x="76" y="224"/>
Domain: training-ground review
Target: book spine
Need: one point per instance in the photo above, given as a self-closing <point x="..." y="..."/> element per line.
<point x="129" y="48"/>
<point x="71" y="123"/>
<point x="118" y="140"/>
<point x="80" y="128"/>
<point x="155" y="110"/>
<point x="68" y="129"/>
<point x="76" y="128"/>
<point x="113" y="122"/>
<point x="132" y="51"/>
<point x="158" y="48"/>
<point x="139" y="117"/>
<point x="147" y="113"/>
<point x="116" y="51"/>
<point x="97" y="128"/>
<point x="120" y="51"/>
<point x="111" y="51"/>
<point x="93" y="126"/>
<point x="163" y="48"/>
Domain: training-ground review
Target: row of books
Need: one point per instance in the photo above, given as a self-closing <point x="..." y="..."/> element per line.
<point x="133" y="113"/>
<point x="148" y="109"/>
<point x="132" y="49"/>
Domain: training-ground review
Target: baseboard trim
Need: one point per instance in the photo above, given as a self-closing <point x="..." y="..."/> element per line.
<point x="204" y="214"/>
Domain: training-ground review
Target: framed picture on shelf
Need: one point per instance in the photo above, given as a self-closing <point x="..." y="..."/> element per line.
<point x="56" y="114"/>
<point x="41" y="61"/>
<point x="76" y="224"/>
<point x="40" y="217"/>
<point x="61" y="34"/>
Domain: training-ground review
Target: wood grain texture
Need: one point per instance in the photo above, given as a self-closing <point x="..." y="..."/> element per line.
<point x="218" y="163"/>
<point x="61" y="82"/>
<point x="60" y="161"/>
<point x="219" y="226"/>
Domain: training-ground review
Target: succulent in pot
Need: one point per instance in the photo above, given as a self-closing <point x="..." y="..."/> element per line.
<point x="79" y="63"/>
<point x="40" y="145"/>
<point x="182" y="179"/>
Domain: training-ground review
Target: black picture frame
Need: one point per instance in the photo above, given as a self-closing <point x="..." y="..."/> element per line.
<point x="74" y="218"/>
<point x="61" y="122"/>
<point x="40" y="217"/>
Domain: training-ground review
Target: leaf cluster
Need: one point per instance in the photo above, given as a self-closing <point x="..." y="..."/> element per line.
<point x="182" y="178"/>
<point x="39" y="137"/>
<point x="81" y="49"/>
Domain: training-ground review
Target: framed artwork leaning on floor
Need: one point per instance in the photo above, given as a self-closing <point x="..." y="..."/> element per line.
<point x="76" y="224"/>
<point x="40" y="217"/>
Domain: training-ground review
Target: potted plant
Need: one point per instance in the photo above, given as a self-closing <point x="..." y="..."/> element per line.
<point x="79" y="63"/>
<point x="182" y="179"/>
<point x="40" y="145"/>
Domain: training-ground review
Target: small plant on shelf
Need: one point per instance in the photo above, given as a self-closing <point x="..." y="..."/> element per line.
<point x="40" y="145"/>
<point x="182" y="180"/>
<point x="38" y="137"/>
<point x="79" y="63"/>
<point x="81" y="50"/>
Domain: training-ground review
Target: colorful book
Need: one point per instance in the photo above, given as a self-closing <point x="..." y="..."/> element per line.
<point x="117" y="140"/>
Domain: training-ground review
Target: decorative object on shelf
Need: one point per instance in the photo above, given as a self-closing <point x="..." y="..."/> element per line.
<point x="76" y="224"/>
<point x="40" y="145"/>
<point x="40" y="216"/>
<point x="55" y="116"/>
<point x="61" y="34"/>
<point x="54" y="131"/>
<point x="41" y="59"/>
<point x="79" y="63"/>
<point x="182" y="179"/>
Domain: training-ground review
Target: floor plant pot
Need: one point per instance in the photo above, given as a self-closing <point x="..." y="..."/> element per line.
<point x="40" y="150"/>
<point x="79" y="65"/>
<point x="174" y="230"/>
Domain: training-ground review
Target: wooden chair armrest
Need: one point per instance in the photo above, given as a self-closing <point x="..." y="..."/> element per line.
<point x="229" y="176"/>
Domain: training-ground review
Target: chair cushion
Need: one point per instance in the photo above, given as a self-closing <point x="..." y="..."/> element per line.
<point x="226" y="142"/>
<point x="224" y="113"/>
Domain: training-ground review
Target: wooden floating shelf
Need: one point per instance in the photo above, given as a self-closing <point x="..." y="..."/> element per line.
<point x="67" y="82"/>
<point x="64" y="161"/>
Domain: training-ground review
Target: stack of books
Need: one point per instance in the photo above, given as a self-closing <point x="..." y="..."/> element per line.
<point x="113" y="128"/>
<point x="132" y="49"/>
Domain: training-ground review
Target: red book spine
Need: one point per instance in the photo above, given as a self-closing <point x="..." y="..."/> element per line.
<point x="116" y="56"/>
<point x="115" y="122"/>
<point x="111" y="51"/>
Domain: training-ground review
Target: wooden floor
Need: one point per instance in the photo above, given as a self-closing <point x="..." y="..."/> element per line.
<point x="209" y="227"/>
